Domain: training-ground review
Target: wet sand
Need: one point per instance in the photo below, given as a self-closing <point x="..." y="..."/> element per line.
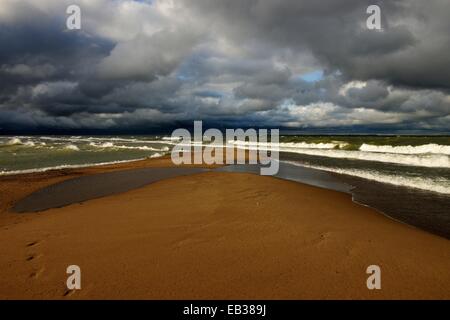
<point x="212" y="235"/>
<point x="95" y="186"/>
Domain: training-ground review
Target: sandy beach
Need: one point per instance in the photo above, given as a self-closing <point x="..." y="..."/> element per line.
<point x="212" y="235"/>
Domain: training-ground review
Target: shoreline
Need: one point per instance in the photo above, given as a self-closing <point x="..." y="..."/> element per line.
<point x="58" y="175"/>
<point x="67" y="167"/>
<point x="213" y="235"/>
<point x="76" y="171"/>
<point x="16" y="187"/>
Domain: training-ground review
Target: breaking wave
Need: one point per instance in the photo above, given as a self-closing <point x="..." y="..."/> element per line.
<point x="105" y="140"/>
<point x="113" y="146"/>
<point x="69" y="166"/>
<point x="13" y="142"/>
<point x="156" y="155"/>
<point x="327" y="150"/>
<point x="171" y="138"/>
<point x="71" y="147"/>
<point x="19" y="142"/>
<point x="426" y="148"/>
<point x="422" y="183"/>
<point x="288" y="145"/>
<point x="425" y="160"/>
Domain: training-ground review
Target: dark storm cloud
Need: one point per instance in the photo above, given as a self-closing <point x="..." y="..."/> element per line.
<point x="413" y="32"/>
<point x="42" y="44"/>
<point x="149" y="65"/>
<point x="40" y="66"/>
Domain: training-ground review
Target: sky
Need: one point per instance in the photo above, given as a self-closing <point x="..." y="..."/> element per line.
<point x="153" y="66"/>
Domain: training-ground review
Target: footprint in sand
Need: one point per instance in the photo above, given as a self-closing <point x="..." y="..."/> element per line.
<point x="30" y="257"/>
<point x="33" y="256"/>
<point x="32" y="244"/>
<point x="68" y="293"/>
<point x="36" y="274"/>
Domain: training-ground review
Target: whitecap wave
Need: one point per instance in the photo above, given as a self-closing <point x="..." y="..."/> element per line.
<point x="422" y="183"/>
<point x="105" y="140"/>
<point x="425" y="160"/>
<point x="13" y="142"/>
<point x="71" y="147"/>
<point x="18" y="142"/>
<point x="102" y="145"/>
<point x="65" y="166"/>
<point x="29" y="144"/>
<point x="156" y="155"/>
<point x="419" y="160"/>
<point x="289" y="145"/>
<point x="171" y="138"/>
<point x="113" y="146"/>
<point x="426" y="148"/>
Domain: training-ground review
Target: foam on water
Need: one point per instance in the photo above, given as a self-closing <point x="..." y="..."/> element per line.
<point x="13" y="141"/>
<point x="71" y="147"/>
<point x="410" y="182"/>
<point x="102" y="145"/>
<point x="293" y="145"/>
<point x="114" y="146"/>
<point x="425" y="160"/>
<point x="171" y="138"/>
<point x="19" y="142"/>
<point x="327" y="150"/>
<point x="66" y="166"/>
<point x="432" y="153"/>
<point x="427" y="148"/>
<point x="106" y="139"/>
